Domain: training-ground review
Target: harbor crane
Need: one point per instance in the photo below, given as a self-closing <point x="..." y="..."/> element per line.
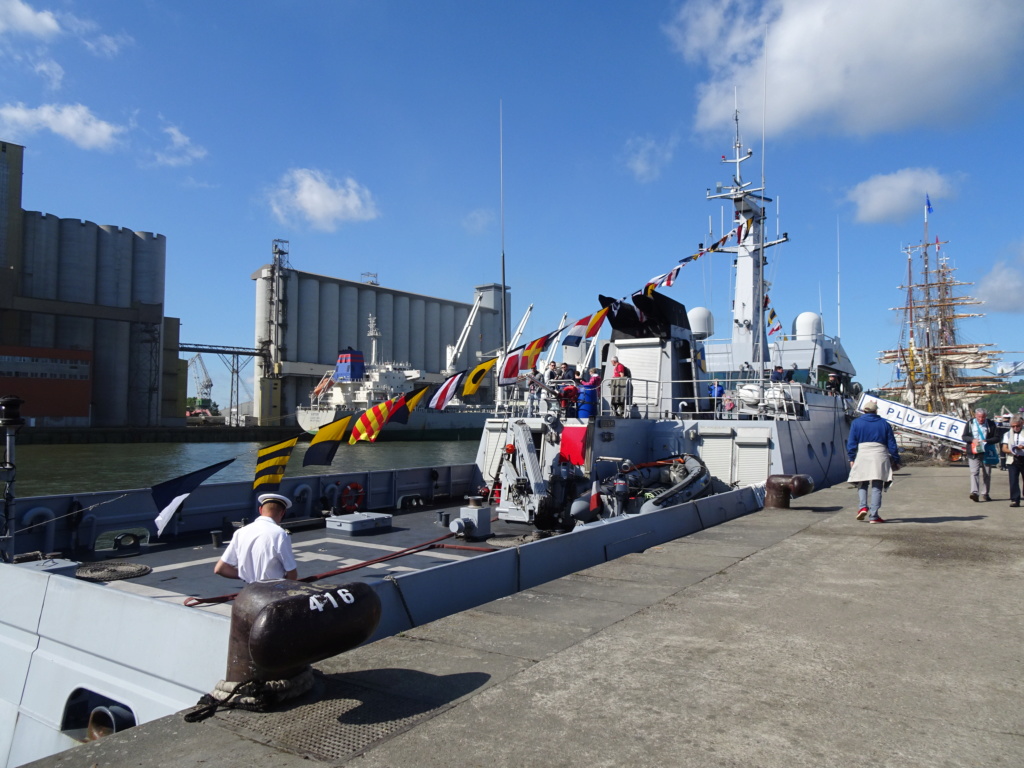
<point x="203" y="382"/>
<point x="454" y="350"/>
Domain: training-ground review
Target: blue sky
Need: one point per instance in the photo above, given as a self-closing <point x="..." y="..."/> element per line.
<point x="367" y="135"/>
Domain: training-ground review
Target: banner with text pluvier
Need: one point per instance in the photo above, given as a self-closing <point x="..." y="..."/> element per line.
<point x="939" y="425"/>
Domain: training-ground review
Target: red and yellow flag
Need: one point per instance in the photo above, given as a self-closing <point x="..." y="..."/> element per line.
<point x="372" y="421"/>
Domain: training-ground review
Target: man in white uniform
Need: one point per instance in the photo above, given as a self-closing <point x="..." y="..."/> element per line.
<point x="262" y="550"/>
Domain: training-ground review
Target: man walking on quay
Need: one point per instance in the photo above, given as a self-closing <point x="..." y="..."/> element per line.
<point x="1013" y="448"/>
<point x="981" y="433"/>
<point x="873" y="456"/>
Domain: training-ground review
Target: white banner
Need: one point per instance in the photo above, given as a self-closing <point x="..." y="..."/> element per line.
<point x="934" y="424"/>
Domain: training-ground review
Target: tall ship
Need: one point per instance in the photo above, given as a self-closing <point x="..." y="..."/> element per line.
<point x="107" y="621"/>
<point x="935" y="367"/>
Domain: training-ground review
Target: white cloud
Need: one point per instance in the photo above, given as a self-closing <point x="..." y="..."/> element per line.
<point x="894" y="196"/>
<point x="478" y="221"/>
<point x="646" y="156"/>
<point x="21" y="18"/>
<point x="1003" y="286"/>
<point x="180" y="151"/>
<point x="321" y="200"/>
<point x="108" y="46"/>
<point x="51" y="71"/>
<point x="855" y="68"/>
<point x="72" y="121"/>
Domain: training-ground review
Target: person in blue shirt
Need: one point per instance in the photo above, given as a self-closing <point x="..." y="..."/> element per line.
<point x="873" y="455"/>
<point x="715" y="392"/>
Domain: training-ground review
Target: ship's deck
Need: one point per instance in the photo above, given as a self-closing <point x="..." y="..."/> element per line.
<point x="184" y="568"/>
<point x="782" y="638"/>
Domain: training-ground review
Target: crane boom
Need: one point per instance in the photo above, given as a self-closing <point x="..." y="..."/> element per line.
<point x="455" y="350"/>
<point x="203" y="382"/>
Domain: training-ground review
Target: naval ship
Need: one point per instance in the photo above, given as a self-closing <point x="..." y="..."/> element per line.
<point x="104" y="626"/>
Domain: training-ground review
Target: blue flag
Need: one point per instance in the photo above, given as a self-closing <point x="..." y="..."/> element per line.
<point x="927" y="203"/>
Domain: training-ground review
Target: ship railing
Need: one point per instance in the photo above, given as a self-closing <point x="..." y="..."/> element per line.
<point x="742" y="397"/>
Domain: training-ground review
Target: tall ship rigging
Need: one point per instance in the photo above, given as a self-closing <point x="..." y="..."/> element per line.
<point x="935" y="367"/>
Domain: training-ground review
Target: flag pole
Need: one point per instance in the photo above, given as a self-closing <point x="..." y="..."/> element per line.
<point x="499" y="395"/>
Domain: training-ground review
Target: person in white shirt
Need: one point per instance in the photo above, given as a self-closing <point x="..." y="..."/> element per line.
<point x="262" y="550"/>
<point x="1013" y="448"/>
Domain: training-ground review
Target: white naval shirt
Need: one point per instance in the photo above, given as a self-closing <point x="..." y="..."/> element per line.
<point x="261" y="551"/>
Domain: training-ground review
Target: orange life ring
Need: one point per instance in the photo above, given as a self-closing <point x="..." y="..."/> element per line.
<point x="351" y="497"/>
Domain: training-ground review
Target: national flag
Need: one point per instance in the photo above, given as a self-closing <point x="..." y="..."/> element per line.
<point x="270" y="464"/>
<point x="476" y="376"/>
<point x="407" y="403"/>
<point x="595" y="497"/>
<point x="446" y="392"/>
<point x="170" y="495"/>
<point x="928" y="203"/>
<point x="937" y="247"/>
<point x="528" y="360"/>
<point x="325" y="442"/>
<point x="509" y="370"/>
<point x="372" y="421"/>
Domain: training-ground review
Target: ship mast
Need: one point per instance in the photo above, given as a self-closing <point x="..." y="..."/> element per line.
<point x="748" y="330"/>
<point x="935" y="356"/>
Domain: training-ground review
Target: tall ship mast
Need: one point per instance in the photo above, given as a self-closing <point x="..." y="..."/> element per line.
<point x="935" y="368"/>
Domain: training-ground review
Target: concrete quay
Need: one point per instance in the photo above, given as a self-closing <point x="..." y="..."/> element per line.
<point x="795" y="637"/>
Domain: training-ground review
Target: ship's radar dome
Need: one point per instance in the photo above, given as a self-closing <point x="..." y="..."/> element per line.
<point x="808" y="325"/>
<point x="702" y="322"/>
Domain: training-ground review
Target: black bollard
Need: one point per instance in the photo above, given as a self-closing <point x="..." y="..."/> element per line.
<point x="278" y="628"/>
<point x="779" y="489"/>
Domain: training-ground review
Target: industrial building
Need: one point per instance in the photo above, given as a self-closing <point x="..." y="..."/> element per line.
<point x="84" y="340"/>
<point x="83" y="337"/>
<point x="303" y="320"/>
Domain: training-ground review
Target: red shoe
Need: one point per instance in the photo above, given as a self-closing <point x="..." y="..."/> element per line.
<point x="863" y="513"/>
<point x="876" y="520"/>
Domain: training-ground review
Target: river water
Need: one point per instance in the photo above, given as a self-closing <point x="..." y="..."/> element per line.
<point x="43" y="470"/>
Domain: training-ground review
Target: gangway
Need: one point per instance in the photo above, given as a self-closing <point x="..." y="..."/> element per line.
<point x="940" y="427"/>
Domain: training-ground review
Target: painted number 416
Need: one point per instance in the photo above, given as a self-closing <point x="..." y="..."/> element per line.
<point x="319" y="602"/>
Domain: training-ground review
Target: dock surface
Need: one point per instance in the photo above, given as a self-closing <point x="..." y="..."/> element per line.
<point x="796" y="637"/>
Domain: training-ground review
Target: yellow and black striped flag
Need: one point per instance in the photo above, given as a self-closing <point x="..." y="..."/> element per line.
<point x="270" y="464"/>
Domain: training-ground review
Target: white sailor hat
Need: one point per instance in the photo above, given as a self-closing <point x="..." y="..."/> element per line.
<point x="264" y="498"/>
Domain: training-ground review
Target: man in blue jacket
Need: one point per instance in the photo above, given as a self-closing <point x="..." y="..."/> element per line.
<point x="873" y="455"/>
